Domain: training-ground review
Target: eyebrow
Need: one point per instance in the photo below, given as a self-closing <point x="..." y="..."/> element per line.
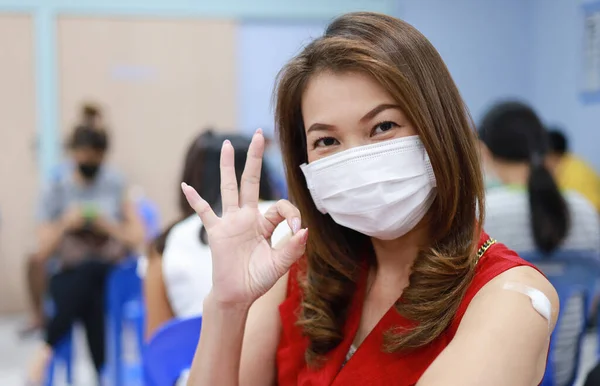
<point x="373" y="113"/>
<point x="368" y="116"/>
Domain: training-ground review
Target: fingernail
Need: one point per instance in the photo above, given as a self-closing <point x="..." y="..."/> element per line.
<point x="296" y="224"/>
<point x="190" y="194"/>
<point x="259" y="131"/>
<point x="226" y="142"/>
<point x="305" y="237"/>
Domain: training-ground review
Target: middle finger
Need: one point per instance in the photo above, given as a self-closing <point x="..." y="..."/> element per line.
<point x="229" y="187"/>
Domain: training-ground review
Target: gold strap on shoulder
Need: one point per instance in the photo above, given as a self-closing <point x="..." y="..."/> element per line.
<point x="485" y="247"/>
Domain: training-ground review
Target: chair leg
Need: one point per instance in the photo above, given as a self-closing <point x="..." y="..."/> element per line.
<point x="115" y="349"/>
<point x="69" y="371"/>
<point x="50" y="373"/>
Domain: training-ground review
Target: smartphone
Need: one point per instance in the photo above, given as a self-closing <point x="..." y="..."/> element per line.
<point x="90" y="212"/>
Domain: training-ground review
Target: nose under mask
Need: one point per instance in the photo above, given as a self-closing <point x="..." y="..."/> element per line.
<point x="381" y="190"/>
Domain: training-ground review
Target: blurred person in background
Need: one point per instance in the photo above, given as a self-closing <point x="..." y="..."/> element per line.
<point x="528" y="211"/>
<point x="86" y="224"/>
<point x="274" y="163"/>
<point x="570" y="171"/>
<point x="91" y="116"/>
<point x="179" y="270"/>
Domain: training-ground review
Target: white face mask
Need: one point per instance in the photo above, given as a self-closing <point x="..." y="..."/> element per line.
<point x="381" y="190"/>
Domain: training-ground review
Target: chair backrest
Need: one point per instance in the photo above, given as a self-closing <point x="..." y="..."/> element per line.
<point x="123" y="284"/>
<point x="170" y="351"/>
<point x="565" y="345"/>
<point x="558" y="262"/>
<point x="148" y="212"/>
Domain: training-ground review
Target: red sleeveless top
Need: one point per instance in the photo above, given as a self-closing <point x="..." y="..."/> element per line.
<point x="369" y="365"/>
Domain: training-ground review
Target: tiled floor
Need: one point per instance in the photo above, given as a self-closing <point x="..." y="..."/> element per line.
<point x="14" y="354"/>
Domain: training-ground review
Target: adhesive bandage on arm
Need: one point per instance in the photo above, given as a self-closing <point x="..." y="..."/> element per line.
<point x="539" y="300"/>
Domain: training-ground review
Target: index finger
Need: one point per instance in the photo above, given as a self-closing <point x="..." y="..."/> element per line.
<point x="283" y="210"/>
<point x="250" y="183"/>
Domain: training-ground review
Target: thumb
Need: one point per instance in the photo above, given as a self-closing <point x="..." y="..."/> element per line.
<point x="291" y="252"/>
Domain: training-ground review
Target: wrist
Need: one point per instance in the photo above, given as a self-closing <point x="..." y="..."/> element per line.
<point x="63" y="226"/>
<point x="215" y="302"/>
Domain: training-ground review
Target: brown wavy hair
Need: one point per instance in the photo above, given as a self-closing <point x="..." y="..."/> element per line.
<point x="405" y="63"/>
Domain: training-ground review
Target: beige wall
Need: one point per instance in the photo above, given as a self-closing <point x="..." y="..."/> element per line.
<point x="160" y="82"/>
<point x="18" y="167"/>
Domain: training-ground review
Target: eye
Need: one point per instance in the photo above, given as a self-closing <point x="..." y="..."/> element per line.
<point x="325" y="141"/>
<point x="383" y="127"/>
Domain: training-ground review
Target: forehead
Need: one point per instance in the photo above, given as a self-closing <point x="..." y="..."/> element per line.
<point x="329" y="96"/>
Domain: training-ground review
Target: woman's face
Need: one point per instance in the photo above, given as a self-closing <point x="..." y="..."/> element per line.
<point x="342" y="111"/>
<point x="88" y="161"/>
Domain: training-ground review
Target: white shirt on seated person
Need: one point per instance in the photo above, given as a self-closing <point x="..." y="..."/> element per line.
<point x="187" y="264"/>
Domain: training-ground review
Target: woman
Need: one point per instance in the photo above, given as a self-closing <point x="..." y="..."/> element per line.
<point x="179" y="270"/>
<point x="86" y="225"/>
<point x="391" y="280"/>
<point x="528" y="211"/>
<point x="90" y="116"/>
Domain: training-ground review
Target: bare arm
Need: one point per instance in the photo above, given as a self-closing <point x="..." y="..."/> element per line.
<point x="217" y="359"/>
<point x="51" y="232"/>
<point x="263" y="329"/>
<point x="224" y="329"/>
<point x="245" y="266"/>
<point x="49" y="237"/>
<point x="259" y="339"/>
<point x="158" y="308"/>
<point x="501" y="340"/>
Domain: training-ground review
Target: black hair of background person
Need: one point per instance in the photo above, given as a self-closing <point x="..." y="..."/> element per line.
<point x="202" y="171"/>
<point x="513" y="132"/>
<point x="89" y="137"/>
<point x="558" y="141"/>
<point x="90" y="115"/>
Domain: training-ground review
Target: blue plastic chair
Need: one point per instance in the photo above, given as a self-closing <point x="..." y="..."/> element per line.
<point x="567" y="338"/>
<point x="63" y="352"/>
<point x="63" y="356"/>
<point x="148" y="212"/>
<point x="124" y="305"/>
<point x="170" y="351"/>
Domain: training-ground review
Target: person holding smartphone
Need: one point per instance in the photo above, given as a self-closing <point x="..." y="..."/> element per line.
<point x="86" y="224"/>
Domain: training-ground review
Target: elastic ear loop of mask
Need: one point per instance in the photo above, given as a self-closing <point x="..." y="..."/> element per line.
<point x="539" y="300"/>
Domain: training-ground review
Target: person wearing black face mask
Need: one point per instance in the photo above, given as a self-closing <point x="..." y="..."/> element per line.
<point x="88" y="170"/>
<point x="86" y="224"/>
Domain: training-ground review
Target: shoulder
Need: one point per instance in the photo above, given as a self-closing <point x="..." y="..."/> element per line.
<point x="502" y="194"/>
<point x="514" y="286"/>
<point x="183" y="244"/>
<point x="499" y="275"/>
<point x="503" y="328"/>
<point x="500" y="199"/>
<point x="495" y="262"/>
<point x="520" y="301"/>
<point x="186" y="232"/>
<point x="112" y="177"/>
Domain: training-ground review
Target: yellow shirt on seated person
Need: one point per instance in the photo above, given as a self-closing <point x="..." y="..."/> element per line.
<point x="573" y="173"/>
<point x="570" y="171"/>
